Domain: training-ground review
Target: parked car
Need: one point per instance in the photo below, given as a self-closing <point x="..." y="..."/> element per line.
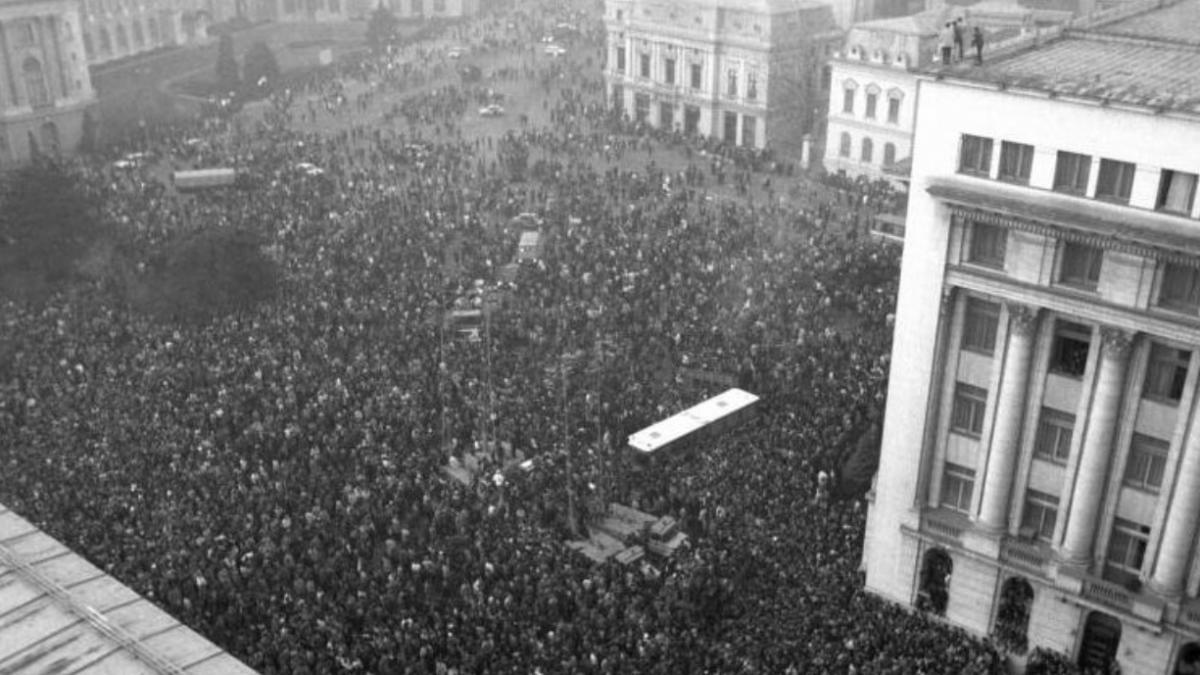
<point x="491" y="110"/>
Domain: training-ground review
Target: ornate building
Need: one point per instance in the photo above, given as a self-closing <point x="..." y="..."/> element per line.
<point x="746" y="72"/>
<point x="117" y="29"/>
<point x="422" y="9"/>
<point x="44" y="84"/>
<point x="1039" y="479"/>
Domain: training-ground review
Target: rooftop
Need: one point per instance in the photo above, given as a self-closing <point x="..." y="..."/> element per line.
<point x="1145" y="55"/>
<point x="60" y="614"/>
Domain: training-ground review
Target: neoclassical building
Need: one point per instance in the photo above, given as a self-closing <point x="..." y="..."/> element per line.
<point x="117" y="29"/>
<point x="44" y="84"/>
<point x="745" y="71"/>
<point x="1039" y="479"/>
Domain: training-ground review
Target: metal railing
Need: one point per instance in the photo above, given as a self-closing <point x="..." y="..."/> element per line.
<point x="1107" y="593"/>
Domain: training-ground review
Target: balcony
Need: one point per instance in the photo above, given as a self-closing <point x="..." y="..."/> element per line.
<point x="1108" y="593"/>
<point x="1025" y="553"/>
<point x="945" y="525"/>
<point x="1189" y="614"/>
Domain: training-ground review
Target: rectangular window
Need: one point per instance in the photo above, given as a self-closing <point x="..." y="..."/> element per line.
<point x="958" y="484"/>
<point x="1166" y="373"/>
<point x="893" y="111"/>
<point x="641" y="107"/>
<point x="975" y="157"/>
<point x="1016" y="159"/>
<point x="751" y="86"/>
<point x="1069" y="351"/>
<point x="644" y="62"/>
<point x="1071" y="172"/>
<point x="989" y="243"/>
<point x="1126" y="551"/>
<point x="1180" y="289"/>
<point x="848" y="101"/>
<point x="979" y="326"/>
<point x="666" y="115"/>
<point x="697" y="80"/>
<point x="1080" y="265"/>
<point x="966" y="417"/>
<point x="1147" y="463"/>
<point x="731" y="83"/>
<point x="1040" y="514"/>
<point x="1053" y="440"/>
<point x="1115" y="182"/>
<point x="620" y="59"/>
<point x="1176" y="190"/>
<point x="618" y="95"/>
<point x="872" y="101"/>
<point x="749" y="131"/>
<point x="669" y="71"/>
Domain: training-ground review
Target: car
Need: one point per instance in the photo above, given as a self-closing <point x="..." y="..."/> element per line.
<point x="491" y="110"/>
<point x="548" y="39"/>
<point x="555" y="50"/>
<point x="456" y="52"/>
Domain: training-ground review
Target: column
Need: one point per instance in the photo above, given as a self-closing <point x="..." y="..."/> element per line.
<point x="1179" y="528"/>
<point x="1010" y="413"/>
<point x="1096" y="448"/>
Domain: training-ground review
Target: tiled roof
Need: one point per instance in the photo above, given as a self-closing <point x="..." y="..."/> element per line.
<point x="60" y="614"/>
<point x="1178" y="22"/>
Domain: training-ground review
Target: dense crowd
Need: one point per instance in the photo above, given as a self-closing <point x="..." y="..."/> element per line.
<point x="276" y="478"/>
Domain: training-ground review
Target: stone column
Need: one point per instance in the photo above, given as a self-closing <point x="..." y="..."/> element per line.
<point x="1179" y="529"/>
<point x="1010" y="413"/>
<point x="1096" y="448"/>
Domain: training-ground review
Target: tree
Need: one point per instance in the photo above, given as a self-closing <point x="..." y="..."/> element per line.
<point x="381" y="28"/>
<point x="47" y="221"/>
<point x="227" y="67"/>
<point x="211" y="273"/>
<point x="87" y="135"/>
<point x="260" y="69"/>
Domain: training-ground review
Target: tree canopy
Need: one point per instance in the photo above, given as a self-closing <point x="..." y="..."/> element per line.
<point x="227" y="66"/>
<point x="260" y="68"/>
<point x="47" y="221"/>
<point x="381" y="28"/>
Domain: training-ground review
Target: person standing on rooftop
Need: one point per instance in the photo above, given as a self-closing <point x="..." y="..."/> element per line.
<point x="977" y="43"/>
<point x="946" y="41"/>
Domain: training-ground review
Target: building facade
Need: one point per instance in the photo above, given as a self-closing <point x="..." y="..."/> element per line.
<point x="1039" y="479"/>
<point x="45" y="89"/>
<point x="418" y="9"/>
<point x="118" y="29"/>
<point x="747" y="73"/>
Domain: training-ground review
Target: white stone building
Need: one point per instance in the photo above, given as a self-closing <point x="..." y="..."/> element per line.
<point x="118" y="29"/>
<point x="418" y="9"/>
<point x="1040" y="469"/>
<point x="746" y="72"/>
<point x="45" y="88"/>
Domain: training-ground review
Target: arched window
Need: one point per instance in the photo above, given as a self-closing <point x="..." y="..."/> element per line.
<point x="122" y="38"/>
<point x="1101" y="638"/>
<point x="105" y="41"/>
<point x="848" y="89"/>
<point x="889" y="154"/>
<point x="844" y="147"/>
<point x="1012" y="615"/>
<point x="1189" y="660"/>
<point x="50" y="138"/>
<point x="868" y="150"/>
<point x="934" y="592"/>
<point x="35" y="83"/>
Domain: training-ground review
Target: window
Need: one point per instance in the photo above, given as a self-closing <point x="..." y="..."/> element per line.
<point x="749" y="131"/>
<point x="666" y="115"/>
<point x="894" y="110"/>
<point x="966" y="417"/>
<point x="1115" y="181"/>
<point x="1126" y="551"/>
<point x="848" y="101"/>
<point x="1180" y="289"/>
<point x="618" y="95"/>
<point x="1053" y="441"/>
<point x="1015" y="162"/>
<point x="139" y="37"/>
<point x="88" y="46"/>
<point x="27" y="34"/>
<point x="889" y="154"/>
<point x="669" y="71"/>
<point x="644" y="63"/>
<point x="868" y="149"/>
<point x="752" y="86"/>
<point x="105" y="41"/>
<point x="844" y="145"/>
<point x="975" y="156"/>
<point x="1166" y="373"/>
<point x="958" y="483"/>
<point x="1039" y="515"/>
<point x="1080" y="265"/>
<point x="988" y="245"/>
<point x="1147" y="462"/>
<point x="872" y="100"/>
<point x="122" y="38"/>
<point x="35" y="83"/>
<point x="1069" y="351"/>
<point x="979" y="326"/>
<point x="620" y="59"/>
<point x="731" y="82"/>
<point x="1176" y="190"/>
<point x="1071" y="172"/>
<point x="641" y="106"/>
<point x="696" y="79"/>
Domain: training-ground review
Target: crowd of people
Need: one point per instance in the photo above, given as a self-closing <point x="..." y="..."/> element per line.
<point x="275" y="478"/>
